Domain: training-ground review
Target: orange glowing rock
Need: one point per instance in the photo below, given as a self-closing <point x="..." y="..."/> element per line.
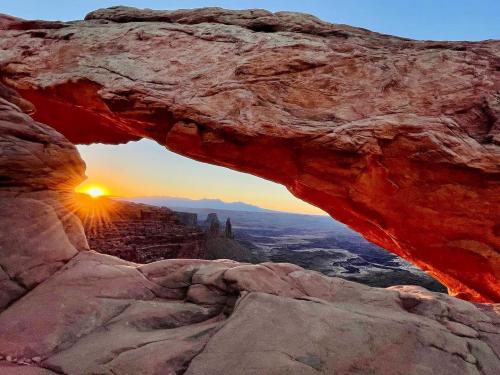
<point x="399" y="139"/>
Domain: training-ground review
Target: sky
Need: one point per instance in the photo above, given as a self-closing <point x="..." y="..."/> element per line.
<point x="145" y="168"/>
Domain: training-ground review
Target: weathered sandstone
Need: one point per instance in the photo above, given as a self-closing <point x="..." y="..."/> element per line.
<point x="38" y="234"/>
<point x="397" y="138"/>
<point x="108" y="316"/>
<point x="65" y="309"/>
<point x="34" y="156"/>
<point x="68" y="310"/>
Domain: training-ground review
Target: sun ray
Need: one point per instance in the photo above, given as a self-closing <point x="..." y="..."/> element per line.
<point x="94" y="191"/>
<point x="92" y="204"/>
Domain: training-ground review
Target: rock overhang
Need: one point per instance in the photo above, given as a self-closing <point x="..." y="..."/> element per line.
<point x="396" y="138"/>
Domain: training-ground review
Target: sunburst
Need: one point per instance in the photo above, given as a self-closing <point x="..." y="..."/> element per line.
<point x="95" y="191"/>
<point x="93" y="205"/>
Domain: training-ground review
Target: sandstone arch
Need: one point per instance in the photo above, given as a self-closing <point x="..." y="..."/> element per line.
<point x="397" y="138"/>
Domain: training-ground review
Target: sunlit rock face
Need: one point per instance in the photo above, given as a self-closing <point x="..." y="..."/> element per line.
<point x="65" y="309"/>
<point x="399" y="139"/>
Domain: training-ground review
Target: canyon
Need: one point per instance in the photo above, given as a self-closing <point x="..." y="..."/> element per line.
<point x="138" y="232"/>
<point x="399" y="139"/>
<point x="143" y="233"/>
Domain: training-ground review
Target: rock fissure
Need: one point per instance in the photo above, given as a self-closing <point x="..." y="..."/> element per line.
<point x="186" y="365"/>
<point x="53" y="369"/>
<point x="475" y="361"/>
<point x="65" y="345"/>
<point x="495" y="353"/>
<point x="303" y="361"/>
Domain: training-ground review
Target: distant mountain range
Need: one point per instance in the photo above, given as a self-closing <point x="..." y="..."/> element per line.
<point x="217" y="204"/>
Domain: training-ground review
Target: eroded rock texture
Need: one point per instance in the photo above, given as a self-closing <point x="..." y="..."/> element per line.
<point x="38" y="234"/>
<point x="138" y="232"/>
<point x="69" y="310"/>
<point x="399" y="139"/>
<point x="108" y="316"/>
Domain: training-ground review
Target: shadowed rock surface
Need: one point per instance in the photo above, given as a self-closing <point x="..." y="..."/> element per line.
<point x="397" y="138"/>
<point x="138" y="232"/>
<point x="212" y="226"/>
<point x="37" y="232"/>
<point x="82" y="312"/>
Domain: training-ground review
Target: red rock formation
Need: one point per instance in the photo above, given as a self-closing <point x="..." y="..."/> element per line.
<point x="138" y="232"/>
<point x="92" y="313"/>
<point x="399" y="139"/>
<point x="38" y="234"/>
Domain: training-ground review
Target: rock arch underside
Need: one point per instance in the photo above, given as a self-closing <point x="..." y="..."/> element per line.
<point x="399" y="139"/>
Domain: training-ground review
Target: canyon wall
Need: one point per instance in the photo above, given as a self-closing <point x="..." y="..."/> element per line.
<point x="397" y="138"/>
<point x="138" y="232"/>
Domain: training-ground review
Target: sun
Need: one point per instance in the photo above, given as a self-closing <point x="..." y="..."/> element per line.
<point x="95" y="191"/>
<point x="93" y="210"/>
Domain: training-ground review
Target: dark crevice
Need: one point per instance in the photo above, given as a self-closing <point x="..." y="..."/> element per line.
<point x="335" y="33"/>
<point x="478" y="365"/>
<point x="35" y="25"/>
<point x="445" y="46"/>
<point x="211" y="332"/>
<point x="491" y="119"/>
<point x="38" y="34"/>
<point x="311" y="361"/>
<point x="56" y="369"/>
<point x="263" y="28"/>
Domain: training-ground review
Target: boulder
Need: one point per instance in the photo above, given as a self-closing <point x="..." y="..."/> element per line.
<point x="33" y="155"/>
<point x="318" y="337"/>
<point x="33" y="241"/>
<point x="100" y="314"/>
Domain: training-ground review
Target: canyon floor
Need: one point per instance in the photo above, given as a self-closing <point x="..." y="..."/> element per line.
<point x="314" y="242"/>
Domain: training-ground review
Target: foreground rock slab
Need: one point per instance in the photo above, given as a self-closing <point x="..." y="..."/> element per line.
<point x="103" y="315"/>
<point x="397" y="138"/>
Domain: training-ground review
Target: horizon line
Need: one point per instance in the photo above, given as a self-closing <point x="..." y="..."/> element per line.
<point x="265" y="210"/>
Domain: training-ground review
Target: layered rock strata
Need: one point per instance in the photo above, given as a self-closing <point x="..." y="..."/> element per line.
<point x="138" y="232"/>
<point x="397" y="138"/>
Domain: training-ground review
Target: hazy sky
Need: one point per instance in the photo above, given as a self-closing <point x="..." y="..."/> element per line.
<point x="145" y="168"/>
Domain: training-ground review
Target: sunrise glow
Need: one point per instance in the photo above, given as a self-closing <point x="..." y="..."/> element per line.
<point x="145" y="168"/>
<point x="95" y="191"/>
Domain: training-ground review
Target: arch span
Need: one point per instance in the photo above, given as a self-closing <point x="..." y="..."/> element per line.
<point x="399" y="139"/>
